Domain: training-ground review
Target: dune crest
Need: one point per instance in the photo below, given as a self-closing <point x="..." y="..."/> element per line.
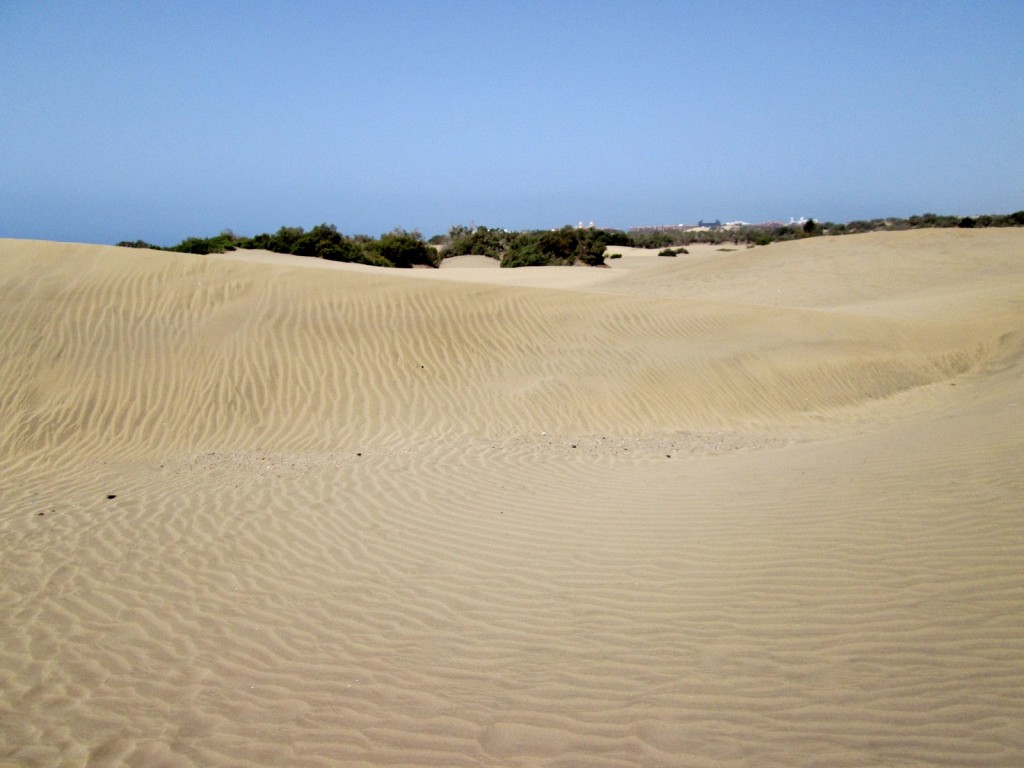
<point x="733" y="508"/>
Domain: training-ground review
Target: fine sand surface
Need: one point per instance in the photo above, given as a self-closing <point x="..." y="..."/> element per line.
<point x="761" y="507"/>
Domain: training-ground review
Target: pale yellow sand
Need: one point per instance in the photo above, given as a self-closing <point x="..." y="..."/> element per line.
<point x="761" y="507"/>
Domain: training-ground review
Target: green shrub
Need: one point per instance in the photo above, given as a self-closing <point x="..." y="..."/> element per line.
<point x="138" y="244"/>
<point x="558" y="247"/>
<point x="651" y="239"/>
<point x="344" y="250"/>
<point x="480" y="242"/>
<point x="402" y="249"/>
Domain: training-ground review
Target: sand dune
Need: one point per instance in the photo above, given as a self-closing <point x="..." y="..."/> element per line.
<point x="752" y="507"/>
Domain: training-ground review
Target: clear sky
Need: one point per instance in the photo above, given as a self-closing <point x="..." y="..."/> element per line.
<point x="160" y="120"/>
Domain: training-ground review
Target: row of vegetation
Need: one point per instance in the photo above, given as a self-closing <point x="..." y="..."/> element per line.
<point x="763" y="234"/>
<point x="399" y="248"/>
<point x="565" y="246"/>
<point x="393" y="249"/>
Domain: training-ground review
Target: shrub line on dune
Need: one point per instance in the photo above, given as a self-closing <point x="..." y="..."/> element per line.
<point x="530" y="248"/>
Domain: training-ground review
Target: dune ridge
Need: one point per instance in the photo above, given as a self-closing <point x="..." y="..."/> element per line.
<point x="751" y="508"/>
<point x="194" y="358"/>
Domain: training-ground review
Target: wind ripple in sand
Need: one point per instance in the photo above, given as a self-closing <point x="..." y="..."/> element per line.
<point x="326" y="613"/>
<point x="319" y="552"/>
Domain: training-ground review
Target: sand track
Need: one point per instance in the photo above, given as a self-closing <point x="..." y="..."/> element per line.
<point x="751" y="508"/>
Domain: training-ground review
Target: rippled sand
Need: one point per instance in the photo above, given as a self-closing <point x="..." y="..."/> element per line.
<point x="738" y="508"/>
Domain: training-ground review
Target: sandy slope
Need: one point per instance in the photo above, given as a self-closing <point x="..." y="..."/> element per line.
<point x="756" y="507"/>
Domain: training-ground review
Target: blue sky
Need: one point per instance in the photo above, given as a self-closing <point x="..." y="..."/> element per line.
<point x="125" y="120"/>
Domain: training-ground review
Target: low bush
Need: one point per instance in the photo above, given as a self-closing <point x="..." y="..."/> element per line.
<point x="558" y="247"/>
